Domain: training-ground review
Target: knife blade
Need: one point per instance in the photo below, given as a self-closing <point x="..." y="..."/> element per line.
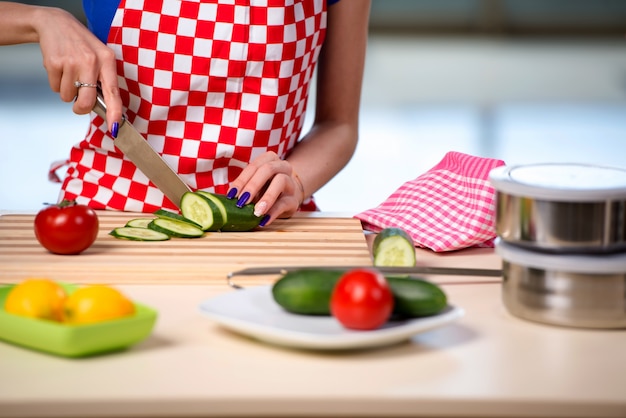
<point x="450" y="271"/>
<point x="138" y="150"/>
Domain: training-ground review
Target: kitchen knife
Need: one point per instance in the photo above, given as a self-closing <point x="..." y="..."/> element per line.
<point x="138" y="150"/>
<point x="448" y="271"/>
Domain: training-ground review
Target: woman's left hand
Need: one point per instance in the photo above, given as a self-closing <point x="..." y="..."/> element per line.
<point x="272" y="185"/>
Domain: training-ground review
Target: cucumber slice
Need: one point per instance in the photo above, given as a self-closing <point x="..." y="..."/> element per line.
<point x="393" y="247"/>
<point x="212" y="197"/>
<point x="162" y="213"/>
<point x="175" y="228"/>
<point x="202" y="211"/>
<point x="139" y="222"/>
<point x="138" y="234"/>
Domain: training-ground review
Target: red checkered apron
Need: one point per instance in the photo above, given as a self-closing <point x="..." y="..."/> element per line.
<point x="210" y="84"/>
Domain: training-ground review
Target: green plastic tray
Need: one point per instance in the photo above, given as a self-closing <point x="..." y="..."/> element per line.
<point x="75" y="340"/>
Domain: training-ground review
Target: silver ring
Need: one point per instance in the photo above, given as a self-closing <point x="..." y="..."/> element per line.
<point x="79" y="84"/>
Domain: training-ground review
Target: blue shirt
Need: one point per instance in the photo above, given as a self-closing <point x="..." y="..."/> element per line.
<point x="100" y="14"/>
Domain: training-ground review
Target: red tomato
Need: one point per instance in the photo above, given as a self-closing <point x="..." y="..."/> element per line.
<point x="66" y="228"/>
<point x="362" y="299"/>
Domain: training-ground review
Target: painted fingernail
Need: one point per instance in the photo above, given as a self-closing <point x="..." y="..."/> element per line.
<point x="243" y="199"/>
<point x="259" y="208"/>
<point x="264" y="221"/>
<point x="232" y="193"/>
<point x="115" y="129"/>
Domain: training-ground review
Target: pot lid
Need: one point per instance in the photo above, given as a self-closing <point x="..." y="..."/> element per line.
<point x="573" y="263"/>
<point x="561" y="181"/>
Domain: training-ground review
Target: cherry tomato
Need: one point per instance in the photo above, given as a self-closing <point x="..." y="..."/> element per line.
<point x="66" y="228"/>
<point x="362" y="299"/>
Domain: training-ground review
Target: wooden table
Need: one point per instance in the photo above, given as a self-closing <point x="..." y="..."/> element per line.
<point x="487" y="364"/>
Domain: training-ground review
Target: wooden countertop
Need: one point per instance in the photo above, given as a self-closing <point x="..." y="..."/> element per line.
<point x="487" y="364"/>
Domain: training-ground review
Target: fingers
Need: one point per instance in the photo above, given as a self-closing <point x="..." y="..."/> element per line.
<point x="279" y="200"/>
<point x="82" y="64"/>
<point x="111" y="93"/>
<point x="73" y="54"/>
<point x="268" y="182"/>
<point x="105" y="74"/>
<point x="248" y="173"/>
<point x="256" y="176"/>
<point x="260" y="177"/>
<point x="85" y="96"/>
<point x="54" y="76"/>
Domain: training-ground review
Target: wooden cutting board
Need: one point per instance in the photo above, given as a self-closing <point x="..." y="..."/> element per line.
<point x="303" y="240"/>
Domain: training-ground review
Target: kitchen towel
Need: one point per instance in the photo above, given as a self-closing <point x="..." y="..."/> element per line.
<point x="450" y="207"/>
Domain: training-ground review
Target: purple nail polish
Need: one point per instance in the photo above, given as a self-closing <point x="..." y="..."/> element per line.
<point x="232" y="193"/>
<point x="264" y="221"/>
<point x="115" y="129"/>
<point x="243" y="199"/>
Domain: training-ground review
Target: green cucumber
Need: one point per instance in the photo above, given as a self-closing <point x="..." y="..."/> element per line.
<point x="308" y="292"/>
<point x="237" y="219"/>
<point x="138" y="234"/>
<point x="139" y="222"/>
<point x="218" y="203"/>
<point x="167" y="214"/>
<point x="393" y="247"/>
<point x="415" y="297"/>
<point x="175" y="228"/>
<point x="201" y="210"/>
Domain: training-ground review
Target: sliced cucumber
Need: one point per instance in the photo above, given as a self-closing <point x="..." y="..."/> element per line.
<point x="237" y="219"/>
<point x="139" y="222"/>
<point x="215" y="200"/>
<point x="134" y="233"/>
<point x="162" y="213"/>
<point x="202" y="211"/>
<point x="175" y="228"/>
<point x="393" y="247"/>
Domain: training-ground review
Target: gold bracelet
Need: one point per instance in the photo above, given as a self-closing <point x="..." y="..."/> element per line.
<point x="299" y="182"/>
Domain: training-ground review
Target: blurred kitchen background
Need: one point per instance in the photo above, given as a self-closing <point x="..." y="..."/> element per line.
<point x="524" y="81"/>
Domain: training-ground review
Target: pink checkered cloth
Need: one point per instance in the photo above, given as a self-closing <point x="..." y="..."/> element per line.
<point x="450" y="207"/>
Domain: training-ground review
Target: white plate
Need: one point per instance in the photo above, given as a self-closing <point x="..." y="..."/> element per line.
<point x="253" y="312"/>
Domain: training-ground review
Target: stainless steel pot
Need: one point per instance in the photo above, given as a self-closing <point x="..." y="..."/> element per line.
<point x="561" y="208"/>
<point x="573" y="290"/>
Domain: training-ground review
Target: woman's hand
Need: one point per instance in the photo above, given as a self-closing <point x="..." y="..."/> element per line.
<point x="272" y="185"/>
<point x="70" y="53"/>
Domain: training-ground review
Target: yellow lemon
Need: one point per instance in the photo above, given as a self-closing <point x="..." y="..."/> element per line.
<point x="96" y="303"/>
<point x="36" y="298"/>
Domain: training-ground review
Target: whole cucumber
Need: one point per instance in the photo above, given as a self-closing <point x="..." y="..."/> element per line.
<point x="308" y="292"/>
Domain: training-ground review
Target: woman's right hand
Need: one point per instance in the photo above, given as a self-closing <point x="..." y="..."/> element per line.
<point x="72" y="53"/>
